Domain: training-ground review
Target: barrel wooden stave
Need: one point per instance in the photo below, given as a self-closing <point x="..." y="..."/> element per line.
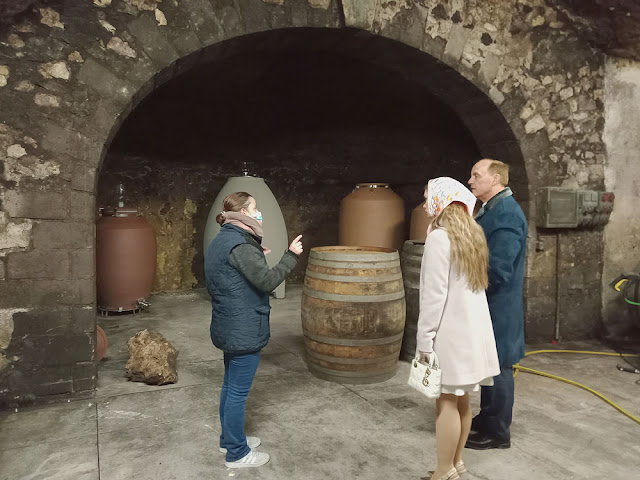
<point x="349" y="320"/>
<point x="411" y="260"/>
<point x="353" y="288"/>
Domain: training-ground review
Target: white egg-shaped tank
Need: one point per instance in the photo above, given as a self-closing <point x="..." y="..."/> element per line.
<point x="275" y="230"/>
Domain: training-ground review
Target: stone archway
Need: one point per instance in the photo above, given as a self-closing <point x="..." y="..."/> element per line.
<point x="316" y="75"/>
<point x="71" y="76"/>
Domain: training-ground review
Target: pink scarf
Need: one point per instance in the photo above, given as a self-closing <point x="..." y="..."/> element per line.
<point x="244" y="222"/>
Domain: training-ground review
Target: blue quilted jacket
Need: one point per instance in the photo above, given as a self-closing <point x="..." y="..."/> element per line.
<point x="239" y="310"/>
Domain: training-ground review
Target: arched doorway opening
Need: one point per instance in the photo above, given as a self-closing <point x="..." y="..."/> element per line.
<point x="313" y="111"/>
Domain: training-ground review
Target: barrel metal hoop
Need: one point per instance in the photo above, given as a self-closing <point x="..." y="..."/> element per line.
<point x="347" y="342"/>
<point x="352" y="361"/>
<point x="350" y="265"/>
<point x="336" y="373"/>
<point x="352" y="279"/>
<point x="349" y="257"/>
<point x="411" y="260"/>
<point x="353" y="298"/>
<point x="411" y="270"/>
<point x="407" y="254"/>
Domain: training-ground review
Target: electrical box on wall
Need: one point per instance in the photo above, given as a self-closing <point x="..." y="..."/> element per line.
<point x="559" y="207"/>
<point x="594" y="208"/>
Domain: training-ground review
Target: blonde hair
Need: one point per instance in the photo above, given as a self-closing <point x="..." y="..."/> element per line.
<point x="502" y="169"/>
<point x="469" y="251"/>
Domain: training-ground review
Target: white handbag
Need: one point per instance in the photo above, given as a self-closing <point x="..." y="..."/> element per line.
<point x="426" y="378"/>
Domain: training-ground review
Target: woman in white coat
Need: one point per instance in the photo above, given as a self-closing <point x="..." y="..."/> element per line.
<point x="454" y="316"/>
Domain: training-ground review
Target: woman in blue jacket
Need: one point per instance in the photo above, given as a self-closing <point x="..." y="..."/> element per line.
<point x="239" y="282"/>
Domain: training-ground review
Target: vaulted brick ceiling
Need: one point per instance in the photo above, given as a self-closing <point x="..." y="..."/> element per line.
<point x="610" y="25"/>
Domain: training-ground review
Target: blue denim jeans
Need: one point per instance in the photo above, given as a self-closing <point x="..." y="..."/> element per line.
<point x="496" y="406"/>
<point x="239" y="371"/>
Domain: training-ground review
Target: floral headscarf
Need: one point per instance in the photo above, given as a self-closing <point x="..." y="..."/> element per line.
<point x="443" y="191"/>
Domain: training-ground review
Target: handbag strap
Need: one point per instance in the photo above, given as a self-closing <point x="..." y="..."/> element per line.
<point x="434" y="363"/>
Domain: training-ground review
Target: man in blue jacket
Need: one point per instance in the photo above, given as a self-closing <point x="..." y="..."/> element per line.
<point x="505" y="227"/>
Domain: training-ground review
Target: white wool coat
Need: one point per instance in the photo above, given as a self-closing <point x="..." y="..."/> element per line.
<point x="454" y="321"/>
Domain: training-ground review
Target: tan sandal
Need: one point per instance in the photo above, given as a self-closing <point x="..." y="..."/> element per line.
<point x="450" y="475"/>
<point x="460" y="468"/>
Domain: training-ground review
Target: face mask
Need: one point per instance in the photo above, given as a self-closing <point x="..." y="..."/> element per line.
<point x="257" y="216"/>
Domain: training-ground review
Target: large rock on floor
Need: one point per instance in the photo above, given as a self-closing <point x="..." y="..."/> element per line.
<point x="152" y="359"/>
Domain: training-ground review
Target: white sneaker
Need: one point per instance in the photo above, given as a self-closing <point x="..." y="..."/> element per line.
<point x="252" y="442"/>
<point x="251" y="459"/>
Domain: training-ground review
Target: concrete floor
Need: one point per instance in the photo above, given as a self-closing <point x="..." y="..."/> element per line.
<point x="313" y="429"/>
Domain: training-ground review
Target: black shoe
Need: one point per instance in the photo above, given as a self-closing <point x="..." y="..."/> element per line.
<point x="485" y="442"/>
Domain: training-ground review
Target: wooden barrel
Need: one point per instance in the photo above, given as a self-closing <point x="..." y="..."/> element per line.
<point x="353" y="313"/>
<point x="411" y="261"/>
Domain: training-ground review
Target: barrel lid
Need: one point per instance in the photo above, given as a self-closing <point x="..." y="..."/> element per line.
<point x="408" y="243"/>
<point x="354" y="254"/>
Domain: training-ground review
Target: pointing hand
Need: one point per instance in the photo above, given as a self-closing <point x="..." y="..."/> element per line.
<point x="296" y="245"/>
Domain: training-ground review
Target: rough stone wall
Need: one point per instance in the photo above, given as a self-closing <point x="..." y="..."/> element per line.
<point x="611" y="25"/>
<point x="580" y="271"/>
<point x="10" y="8"/>
<point x="69" y="76"/>
<point x="566" y="275"/>
<point x="622" y="234"/>
<point x="46" y="259"/>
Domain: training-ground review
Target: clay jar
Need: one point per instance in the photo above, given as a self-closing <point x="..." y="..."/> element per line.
<point x="125" y="260"/>
<point x="420" y="221"/>
<point x="102" y="343"/>
<point x="372" y="215"/>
